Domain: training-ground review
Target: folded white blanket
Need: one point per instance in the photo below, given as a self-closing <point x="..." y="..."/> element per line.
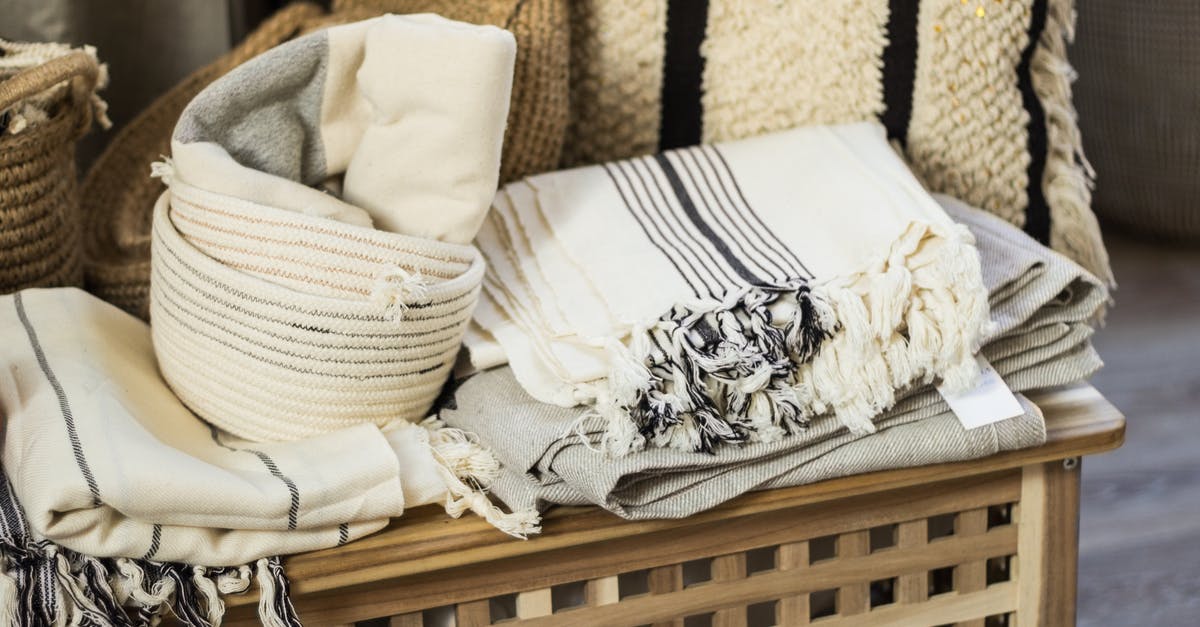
<point x="728" y="292"/>
<point x="106" y="462"/>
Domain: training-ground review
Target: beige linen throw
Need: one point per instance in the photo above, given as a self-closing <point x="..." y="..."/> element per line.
<point x="728" y="292"/>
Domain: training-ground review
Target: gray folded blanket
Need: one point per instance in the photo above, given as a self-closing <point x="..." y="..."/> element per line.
<point x="1042" y="304"/>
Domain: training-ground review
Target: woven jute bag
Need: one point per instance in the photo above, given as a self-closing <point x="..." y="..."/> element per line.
<point x="118" y="193"/>
<point x="39" y="208"/>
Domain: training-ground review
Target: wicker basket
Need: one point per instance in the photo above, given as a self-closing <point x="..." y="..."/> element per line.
<point x="39" y="210"/>
<point x="1138" y="96"/>
<point x="118" y="193"/>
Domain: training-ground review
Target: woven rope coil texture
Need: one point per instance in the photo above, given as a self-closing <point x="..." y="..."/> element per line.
<point x="39" y="212"/>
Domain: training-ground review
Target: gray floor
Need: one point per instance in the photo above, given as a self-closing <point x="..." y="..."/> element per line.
<point x="1140" y="526"/>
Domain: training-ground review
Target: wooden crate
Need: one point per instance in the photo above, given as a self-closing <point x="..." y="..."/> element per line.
<point x="988" y="542"/>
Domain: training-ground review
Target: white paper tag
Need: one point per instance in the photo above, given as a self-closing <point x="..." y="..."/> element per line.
<point x="988" y="402"/>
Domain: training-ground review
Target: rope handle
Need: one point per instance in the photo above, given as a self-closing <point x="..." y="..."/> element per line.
<point x="69" y="67"/>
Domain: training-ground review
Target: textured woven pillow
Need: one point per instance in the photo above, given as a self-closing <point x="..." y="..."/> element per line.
<point x="976" y="92"/>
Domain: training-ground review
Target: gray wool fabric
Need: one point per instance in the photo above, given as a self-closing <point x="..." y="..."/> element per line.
<point x="1042" y="304"/>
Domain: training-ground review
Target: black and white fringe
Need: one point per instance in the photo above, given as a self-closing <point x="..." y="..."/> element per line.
<point x="714" y="373"/>
<point x="42" y="583"/>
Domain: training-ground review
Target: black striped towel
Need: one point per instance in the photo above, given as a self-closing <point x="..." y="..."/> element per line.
<point x="113" y="485"/>
<point x="728" y="292"/>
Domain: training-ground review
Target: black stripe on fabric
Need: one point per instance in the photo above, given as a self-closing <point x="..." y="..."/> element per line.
<point x="702" y="225"/>
<point x="682" y="116"/>
<point x="63" y="405"/>
<point x="657" y="241"/>
<point x="273" y="468"/>
<point x="343" y="533"/>
<point x="687" y="241"/>
<point x="1037" y="211"/>
<point x="899" y="67"/>
<point x="155" y="540"/>
<point x="294" y="509"/>
<point x="799" y="267"/>
<point x="11" y="516"/>
<point x="723" y="172"/>
<point x="754" y="246"/>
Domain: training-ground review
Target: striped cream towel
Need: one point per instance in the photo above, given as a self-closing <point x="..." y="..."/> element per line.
<point x="106" y="463"/>
<point x="1042" y="304"/>
<point x="729" y="292"/>
<point x="312" y="266"/>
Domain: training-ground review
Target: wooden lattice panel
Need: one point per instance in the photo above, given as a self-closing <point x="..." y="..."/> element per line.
<point x="946" y="558"/>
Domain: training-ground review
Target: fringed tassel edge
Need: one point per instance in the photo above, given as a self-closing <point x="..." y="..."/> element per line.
<point x="1069" y="178"/>
<point x="468" y="469"/>
<point x="33" y="110"/>
<point x="758" y="365"/>
<point x="47" y="584"/>
<point x="917" y="316"/>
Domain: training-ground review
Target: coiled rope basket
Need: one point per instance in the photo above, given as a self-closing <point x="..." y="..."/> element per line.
<point x="39" y="202"/>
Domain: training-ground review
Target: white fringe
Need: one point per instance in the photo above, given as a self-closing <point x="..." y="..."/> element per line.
<point x="917" y="314"/>
<point x="468" y="469"/>
<point x="1069" y="178"/>
<point x="396" y="289"/>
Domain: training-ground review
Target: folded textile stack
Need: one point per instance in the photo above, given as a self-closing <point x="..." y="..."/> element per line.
<point x="727" y="293"/>
<point x="1041" y="303"/>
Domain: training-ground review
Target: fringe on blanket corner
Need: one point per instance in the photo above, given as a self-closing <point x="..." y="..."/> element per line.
<point x="762" y="362"/>
<point x="468" y="469"/>
<point x="42" y="583"/>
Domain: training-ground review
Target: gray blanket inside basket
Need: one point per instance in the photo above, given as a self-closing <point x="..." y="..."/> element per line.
<point x="1042" y="303"/>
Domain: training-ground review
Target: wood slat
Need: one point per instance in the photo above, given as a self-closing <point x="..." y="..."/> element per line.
<point x="1049" y="545"/>
<point x="666" y="580"/>
<point x="792" y="609"/>
<point x="971" y="576"/>
<point x="854" y="598"/>
<point x="535" y="603"/>
<point x="944" y="609"/>
<point x="912" y="588"/>
<point x="473" y="614"/>
<point x="729" y="568"/>
<point x="1079" y="422"/>
<point x="774" y="585"/>
<point x="602" y="590"/>
<point x="412" y="619"/>
<point x="672" y="547"/>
